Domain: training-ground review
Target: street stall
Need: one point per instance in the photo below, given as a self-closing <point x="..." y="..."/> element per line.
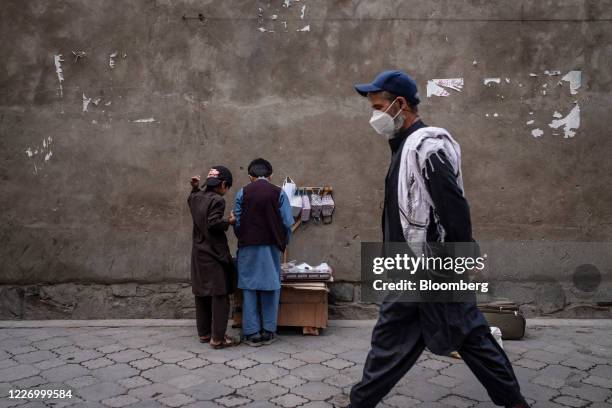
<point x="304" y="288"/>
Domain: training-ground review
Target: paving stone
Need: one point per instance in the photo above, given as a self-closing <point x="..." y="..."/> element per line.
<point x="176" y="400"/>
<point x="571" y="401"/>
<point x="553" y="376"/>
<point x="578" y="363"/>
<point x="186" y="381"/>
<point x="459" y="371"/>
<point x="288" y="400"/>
<point x="433" y="364"/>
<point x="472" y="389"/>
<point x="111" y="348"/>
<point x="34" y="357"/>
<point x="401" y="401"/>
<point x="153" y="391"/>
<point x="8" y="363"/>
<point x="172" y="356"/>
<point x="598" y="381"/>
<point x="313" y="356"/>
<point x="145" y="363"/>
<point x="18" y="372"/>
<point x="115" y="372"/>
<point x="315" y="391"/>
<point x="21" y="350"/>
<point x="120" y="401"/>
<point x="528" y="363"/>
<point x="215" y="372"/>
<point x="232" y="401"/>
<point x="264" y="372"/>
<point x="544" y="356"/>
<point x="422" y="390"/>
<point x="134" y="382"/>
<point x="125" y="356"/>
<point x="237" y="381"/>
<point x="52" y="343"/>
<point x="457" y="401"/>
<point x="241" y="363"/>
<point x="340" y="401"/>
<point x="98" y="363"/>
<point x="267" y="355"/>
<point x="193" y="363"/>
<point x="80" y="356"/>
<point x="604" y="371"/>
<point x="313" y="372"/>
<point x="587" y="392"/>
<point x="100" y="391"/>
<point x="208" y="391"/>
<point x="65" y="372"/>
<point x="262" y="391"/>
<point x="289" y="381"/>
<point x="340" y="380"/>
<point x="338" y="363"/>
<point x="445" y="381"/>
<point x="83" y="381"/>
<point x="47" y="364"/>
<point x="164" y="372"/>
<point x="289" y="363"/>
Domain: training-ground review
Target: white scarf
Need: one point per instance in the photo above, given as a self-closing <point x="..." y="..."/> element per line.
<point x="413" y="198"/>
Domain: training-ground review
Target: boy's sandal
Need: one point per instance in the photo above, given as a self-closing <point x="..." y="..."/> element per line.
<point x="227" y="342"/>
<point x="204" y="339"/>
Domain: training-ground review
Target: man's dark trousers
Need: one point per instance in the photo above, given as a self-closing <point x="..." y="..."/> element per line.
<point x="397" y="343"/>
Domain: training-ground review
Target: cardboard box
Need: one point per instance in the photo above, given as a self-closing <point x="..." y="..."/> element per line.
<point x="301" y="305"/>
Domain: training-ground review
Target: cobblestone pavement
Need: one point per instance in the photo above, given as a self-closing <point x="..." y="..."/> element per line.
<point x="166" y="366"/>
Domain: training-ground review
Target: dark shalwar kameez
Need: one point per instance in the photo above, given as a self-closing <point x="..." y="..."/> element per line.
<point x="404" y="329"/>
<point x="212" y="266"/>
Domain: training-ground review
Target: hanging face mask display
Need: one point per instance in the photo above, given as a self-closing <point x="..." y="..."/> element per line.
<point x="385" y="124"/>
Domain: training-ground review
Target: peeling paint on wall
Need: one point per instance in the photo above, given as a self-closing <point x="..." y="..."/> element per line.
<point x="60" y="73"/>
<point x="570" y="123"/>
<point x="436" y="87"/>
<point x="575" y="81"/>
<point x="145" y="120"/>
<point x="302" y="12"/>
<point x="537" y="133"/>
<point x="305" y="28"/>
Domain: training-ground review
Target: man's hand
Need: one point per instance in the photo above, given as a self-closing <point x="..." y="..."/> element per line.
<point x="195" y="181"/>
<point x="232" y="219"/>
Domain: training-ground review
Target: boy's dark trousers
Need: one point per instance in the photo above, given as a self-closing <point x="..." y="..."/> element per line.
<point x="212" y="313"/>
<point x="397" y="343"/>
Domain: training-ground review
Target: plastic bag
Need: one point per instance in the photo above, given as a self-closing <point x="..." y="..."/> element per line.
<point x="305" y="208"/>
<point x="316" y="206"/>
<point x="327" y="208"/>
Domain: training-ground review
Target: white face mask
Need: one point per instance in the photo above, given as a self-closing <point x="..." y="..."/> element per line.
<point x="385" y="124"/>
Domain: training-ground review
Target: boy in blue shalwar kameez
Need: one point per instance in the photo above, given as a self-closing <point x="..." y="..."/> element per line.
<point x="263" y="227"/>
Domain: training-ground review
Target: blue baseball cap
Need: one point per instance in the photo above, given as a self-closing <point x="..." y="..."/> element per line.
<point x="396" y="82"/>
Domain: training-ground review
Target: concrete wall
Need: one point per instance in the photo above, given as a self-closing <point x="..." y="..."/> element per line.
<point x="98" y="197"/>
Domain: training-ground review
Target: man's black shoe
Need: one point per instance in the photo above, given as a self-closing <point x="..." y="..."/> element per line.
<point x="268" y="337"/>
<point x="254" y="340"/>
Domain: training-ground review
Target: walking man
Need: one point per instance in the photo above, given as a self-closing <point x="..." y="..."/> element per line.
<point x="424" y="202"/>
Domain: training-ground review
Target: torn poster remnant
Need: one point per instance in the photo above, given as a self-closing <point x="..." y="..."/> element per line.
<point x="437" y="87"/>
<point x="305" y="28"/>
<point x="145" y="120"/>
<point x="86" y="102"/>
<point x="575" y="81"/>
<point x="570" y="123"/>
<point x="111" y="59"/>
<point x="488" y="81"/>
<point x="537" y="133"/>
<point x="302" y="12"/>
<point x="57" y="58"/>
